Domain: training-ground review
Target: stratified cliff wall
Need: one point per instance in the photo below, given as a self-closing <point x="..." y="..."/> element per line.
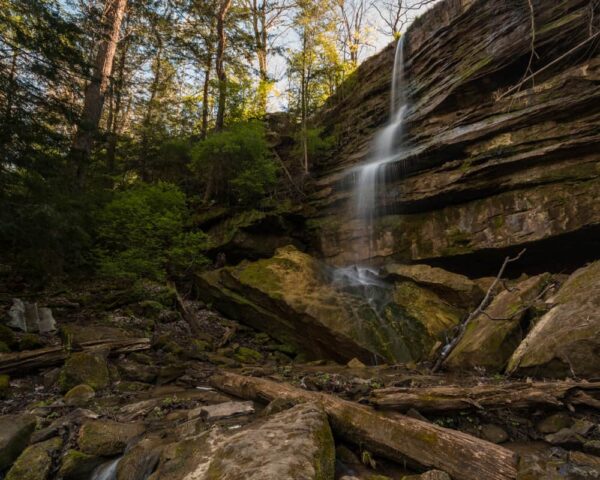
<point x="489" y="164"/>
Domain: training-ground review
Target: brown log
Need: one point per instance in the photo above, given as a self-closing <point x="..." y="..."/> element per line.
<point x="400" y="439"/>
<point x="50" y="356"/>
<point x="508" y="395"/>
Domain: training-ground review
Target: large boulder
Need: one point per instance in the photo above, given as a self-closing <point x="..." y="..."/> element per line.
<point x="492" y="337"/>
<point x="107" y="437"/>
<point x="328" y="313"/>
<point x="566" y="340"/>
<point x="35" y="462"/>
<point x="76" y="465"/>
<point x="296" y="443"/>
<point x="15" y="431"/>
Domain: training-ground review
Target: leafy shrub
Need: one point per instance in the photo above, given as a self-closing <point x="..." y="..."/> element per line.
<point x="317" y="145"/>
<point x="141" y="234"/>
<point x="237" y="162"/>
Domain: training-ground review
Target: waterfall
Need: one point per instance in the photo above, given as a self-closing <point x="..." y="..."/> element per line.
<point x="106" y="471"/>
<point x="372" y="174"/>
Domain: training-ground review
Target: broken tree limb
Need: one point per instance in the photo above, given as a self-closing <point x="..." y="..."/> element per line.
<point x="401" y="438"/>
<point x="509" y="395"/>
<point x="50" y="356"/>
<point x="447" y="350"/>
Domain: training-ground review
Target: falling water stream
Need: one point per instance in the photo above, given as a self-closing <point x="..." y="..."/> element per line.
<point x="106" y="471"/>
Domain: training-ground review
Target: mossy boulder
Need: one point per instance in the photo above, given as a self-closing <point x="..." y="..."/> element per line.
<point x="4" y="386"/>
<point x="8" y="338"/>
<point x="86" y="368"/>
<point x="79" y="395"/>
<point x="455" y="289"/>
<point x="35" y="462"/>
<point x="248" y="355"/>
<point x="294" y="298"/>
<point x="566" y="340"/>
<point x="137" y="372"/>
<point x="140" y="461"/>
<point x="4" y="348"/>
<point x="15" y="431"/>
<point x="30" y="341"/>
<point x="76" y="465"/>
<point x="491" y="338"/>
<point x="295" y="443"/>
<point x="106" y="437"/>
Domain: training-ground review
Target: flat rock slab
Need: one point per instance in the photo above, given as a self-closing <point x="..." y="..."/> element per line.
<point x="296" y="443"/>
<point x="220" y="411"/>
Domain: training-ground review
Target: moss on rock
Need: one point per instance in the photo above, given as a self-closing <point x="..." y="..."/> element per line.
<point x="86" y="368"/>
<point x="106" y="437"/>
<point x="35" y="462"/>
<point x="76" y="465"/>
<point x="79" y="395"/>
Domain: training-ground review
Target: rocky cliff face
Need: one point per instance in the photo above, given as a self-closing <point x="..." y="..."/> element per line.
<point x="489" y="162"/>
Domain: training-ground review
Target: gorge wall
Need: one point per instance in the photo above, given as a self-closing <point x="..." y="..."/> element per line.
<point x="489" y="164"/>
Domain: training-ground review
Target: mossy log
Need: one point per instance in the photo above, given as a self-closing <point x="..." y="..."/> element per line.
<point x="513" y="395"/>
<point x="47" y="357"/>
<point x="401" y="439"/>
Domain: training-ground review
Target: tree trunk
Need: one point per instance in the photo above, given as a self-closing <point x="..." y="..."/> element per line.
<point x="96" y="90"/>
<point x="259" y="24"/>
<point x="21" y="362"/>
<point x="111" y="147"/>
<point x="425" y="444"/>
<point x="220" y="60"/>
<point x="511" y="395"/>
<point x="304" y="103"/>
<point x="205" y="92"/>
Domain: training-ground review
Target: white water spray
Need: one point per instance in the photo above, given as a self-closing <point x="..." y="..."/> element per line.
<point x="106" y="471"/>
<point x="372" y="174"/>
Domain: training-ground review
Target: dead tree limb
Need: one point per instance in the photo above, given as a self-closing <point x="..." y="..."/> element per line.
<point x="400" y="439"/>
<point x="509" y="395"/>
<point x="447" y="350"/>
<point x="22" y="362"/>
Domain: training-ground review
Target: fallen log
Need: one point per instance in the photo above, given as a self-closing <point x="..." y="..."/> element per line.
<point x="47" y="357"/>
<point x="400" y="439"/>
<point x="509" y="395"/>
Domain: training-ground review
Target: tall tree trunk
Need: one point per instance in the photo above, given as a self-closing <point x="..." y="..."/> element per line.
<point x="11" y="87"/>
<point x="95" y="92"/>
<point x="220" y="67"/>
<point x="147" y="121"/>
<point x="205" y="91"/>
<point x="304" y="103"/>
<point x="259" y="24"/>
<point x="114" y="124"/>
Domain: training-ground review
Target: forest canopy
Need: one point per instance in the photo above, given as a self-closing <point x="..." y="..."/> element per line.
<point x="109" y="106"/>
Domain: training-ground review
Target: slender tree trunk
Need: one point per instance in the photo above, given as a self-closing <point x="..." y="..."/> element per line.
<point x="113" y="125"/>
<point x="220" y="60"/>
<point x="96" y="90"/>
<point x="11" y="87"/>
<point x="205" y="91"/>
<point x="147" y="122"/>
<point x="304" y="103"/>
<point x="259" y="20"/>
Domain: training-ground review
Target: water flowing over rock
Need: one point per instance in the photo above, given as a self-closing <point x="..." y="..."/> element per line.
<point x="484" y="166"/>
<point x="338" y="314"/>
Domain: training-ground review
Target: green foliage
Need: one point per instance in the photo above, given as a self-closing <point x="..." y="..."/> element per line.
<point x="238" y="162"/>
<point x="317" y="145"/>
<point x="141" y="234"/>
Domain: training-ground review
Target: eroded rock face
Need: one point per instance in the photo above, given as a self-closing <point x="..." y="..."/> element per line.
<point x="296" y="443"/>
<point x="297" y="300"/>
<point x="485" y="166"/>
<point x="566" y="340"/>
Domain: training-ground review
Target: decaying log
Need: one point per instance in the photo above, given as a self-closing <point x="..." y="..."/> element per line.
<point x="401" y="439"/>
<point x="50" y="356"/>
<point x="512" y="395"/>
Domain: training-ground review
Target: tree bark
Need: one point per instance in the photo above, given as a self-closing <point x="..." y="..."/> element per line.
<point x="22" y="362"/>
<point x="220" y="60"/>
<point x="511" y="395"/>
<point x="95" y="92"/>
<point x="205" y="91"/>
<point x="425" y="444"/>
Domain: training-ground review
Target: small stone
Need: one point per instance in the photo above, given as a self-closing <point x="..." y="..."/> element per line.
<point x="4" y="386"/>
<point x="355" y="363"/>
<point x="220" y="411"/>
<point x="15" y="431"/>
<point x="494" y="433"/>
<point x="47" y="324"/>
<point x="554" y="423"/>
<point x="573" y="435"/>
<point x="79" y="395"/>
<point x="592" y="446"/>
<point x="413" y="413"/>
<point x="585" y="460"/>
<point x="35" y="462"/>
<point x="16" y="315"/>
